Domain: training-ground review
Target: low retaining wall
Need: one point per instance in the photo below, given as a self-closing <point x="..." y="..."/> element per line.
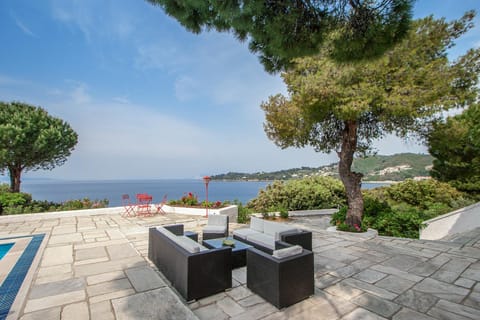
<point x="230" y="211"/>
<point x="63" y="214"/>
<point x="461" y="220"/>
<point x="306" y="213"/>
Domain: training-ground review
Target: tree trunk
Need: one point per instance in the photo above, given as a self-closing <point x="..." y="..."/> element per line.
<point x="15" y="174"/>
<point x="351" y="180"/>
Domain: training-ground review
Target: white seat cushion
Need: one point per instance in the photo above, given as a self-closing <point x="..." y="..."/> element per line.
<point x="287" y="252"/>
<point x="263" y="240"/>
<point x="243" y="233"/>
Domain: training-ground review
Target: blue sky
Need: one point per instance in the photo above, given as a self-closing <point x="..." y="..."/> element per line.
<point x="147" y="98"/>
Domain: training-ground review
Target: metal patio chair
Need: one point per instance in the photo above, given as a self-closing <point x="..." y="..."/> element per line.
<point x="161" y="204"/>
<point x="128" y="206"/>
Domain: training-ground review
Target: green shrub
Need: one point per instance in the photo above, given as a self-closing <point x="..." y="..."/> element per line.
<point x="303" y="194"/>
<point x="345" y="227"/>
<point x="404" y="222"/>
<point x="243" y="213"/>
<point x="373" y="207"/>
<point x="338" y="220"/>
<point x="13" y="210"/>
<point x="4" y="188"/>
<point x="19" y="202"/>
<point x="422" y="194"/>
<point x="85" y="203"/>
<point x="400" y="209"/>
<point x="283" y="212"/>
<point x="339" y="216"/>
<point x="9" y="199"/>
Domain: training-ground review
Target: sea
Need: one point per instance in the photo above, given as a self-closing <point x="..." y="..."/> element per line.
<point x="61" y="190"/>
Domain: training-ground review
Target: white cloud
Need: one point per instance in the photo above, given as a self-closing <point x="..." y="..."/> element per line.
<point x="84" y="16"/>
<point x="123" y="100"/>
<point x="125" y="140"/>
<point x="186" y="88"/>
<point x="76" y="14"/>
<point x="153" y="56"/>
<point x="9" y="81"/>
<point x="79" y="95"/>
<point x="23" y="26"/>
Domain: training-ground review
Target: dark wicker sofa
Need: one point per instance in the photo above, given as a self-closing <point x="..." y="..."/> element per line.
<point x="194" y="275"/>
<point x="269" y="236"/>
<point x="280" y="281"/>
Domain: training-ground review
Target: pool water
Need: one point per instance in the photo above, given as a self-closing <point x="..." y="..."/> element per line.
<point x="4" y="249"/>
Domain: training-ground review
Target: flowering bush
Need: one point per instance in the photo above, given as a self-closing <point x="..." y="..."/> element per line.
<point x="191" y="200"/>
<point x="338" y="219"/>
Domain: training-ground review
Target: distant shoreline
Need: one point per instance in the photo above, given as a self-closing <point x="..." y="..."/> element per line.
<point x="382" y="181"/>
<point x="270" y="180"/>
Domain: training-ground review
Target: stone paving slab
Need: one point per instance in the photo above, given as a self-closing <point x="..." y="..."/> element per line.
<point x="144" y="279"/>
<point x="95" y="266"/>
<point x="442" y="290"/>
<point x="156" y="304"/>
<point x="416" y="300"/>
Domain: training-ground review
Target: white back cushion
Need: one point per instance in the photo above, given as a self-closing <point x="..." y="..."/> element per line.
<point x="274" y="229"/>
<point x="183" y="241"/>
<point x="256" y="224"/>
<point x="188" y="244"/>
<point x="217" y="220"/>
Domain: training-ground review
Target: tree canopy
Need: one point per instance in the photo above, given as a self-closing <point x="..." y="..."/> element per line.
<point x="343" y="107"/>
<point x="31" y="139"/>
<point x="455" y="144"/>
<point x="281" y="30"/>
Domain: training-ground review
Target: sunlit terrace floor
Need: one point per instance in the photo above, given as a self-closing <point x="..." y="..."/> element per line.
<point x="95" y="266"/>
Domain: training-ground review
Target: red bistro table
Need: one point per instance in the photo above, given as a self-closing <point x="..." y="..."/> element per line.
<point x="144" y="202"/>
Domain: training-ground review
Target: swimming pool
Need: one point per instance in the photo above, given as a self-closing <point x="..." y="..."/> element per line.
<point x="4" y="249"/>
<point x="14" y="267"/>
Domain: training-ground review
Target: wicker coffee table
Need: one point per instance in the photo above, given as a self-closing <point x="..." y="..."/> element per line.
<point x="239" y="250"/>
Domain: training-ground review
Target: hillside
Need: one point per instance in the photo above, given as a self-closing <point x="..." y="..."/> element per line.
<point x="396" y="167"/>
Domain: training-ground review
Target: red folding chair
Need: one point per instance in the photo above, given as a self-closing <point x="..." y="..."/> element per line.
<point x="129" y="207"/>
<point x="161" y="204"/>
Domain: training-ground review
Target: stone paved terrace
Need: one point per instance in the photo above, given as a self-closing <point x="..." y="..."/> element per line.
<point x="94" y="266"/>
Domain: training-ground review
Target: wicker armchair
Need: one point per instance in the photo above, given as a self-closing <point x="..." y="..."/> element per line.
<point x="217" y="227"/>
<point x="194" y="274"/>
<point x="280" y="281"/>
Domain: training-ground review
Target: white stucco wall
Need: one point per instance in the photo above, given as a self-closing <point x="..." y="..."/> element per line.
<point x="230" y="211"/>
<point x="461" y="220"/>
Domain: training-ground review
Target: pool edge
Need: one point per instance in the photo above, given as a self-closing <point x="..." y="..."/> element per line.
<point x="21" y="298"/>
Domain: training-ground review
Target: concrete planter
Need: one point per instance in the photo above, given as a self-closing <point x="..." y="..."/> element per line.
<point x="231" y="211"/>
<point x="370" y="233"/>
